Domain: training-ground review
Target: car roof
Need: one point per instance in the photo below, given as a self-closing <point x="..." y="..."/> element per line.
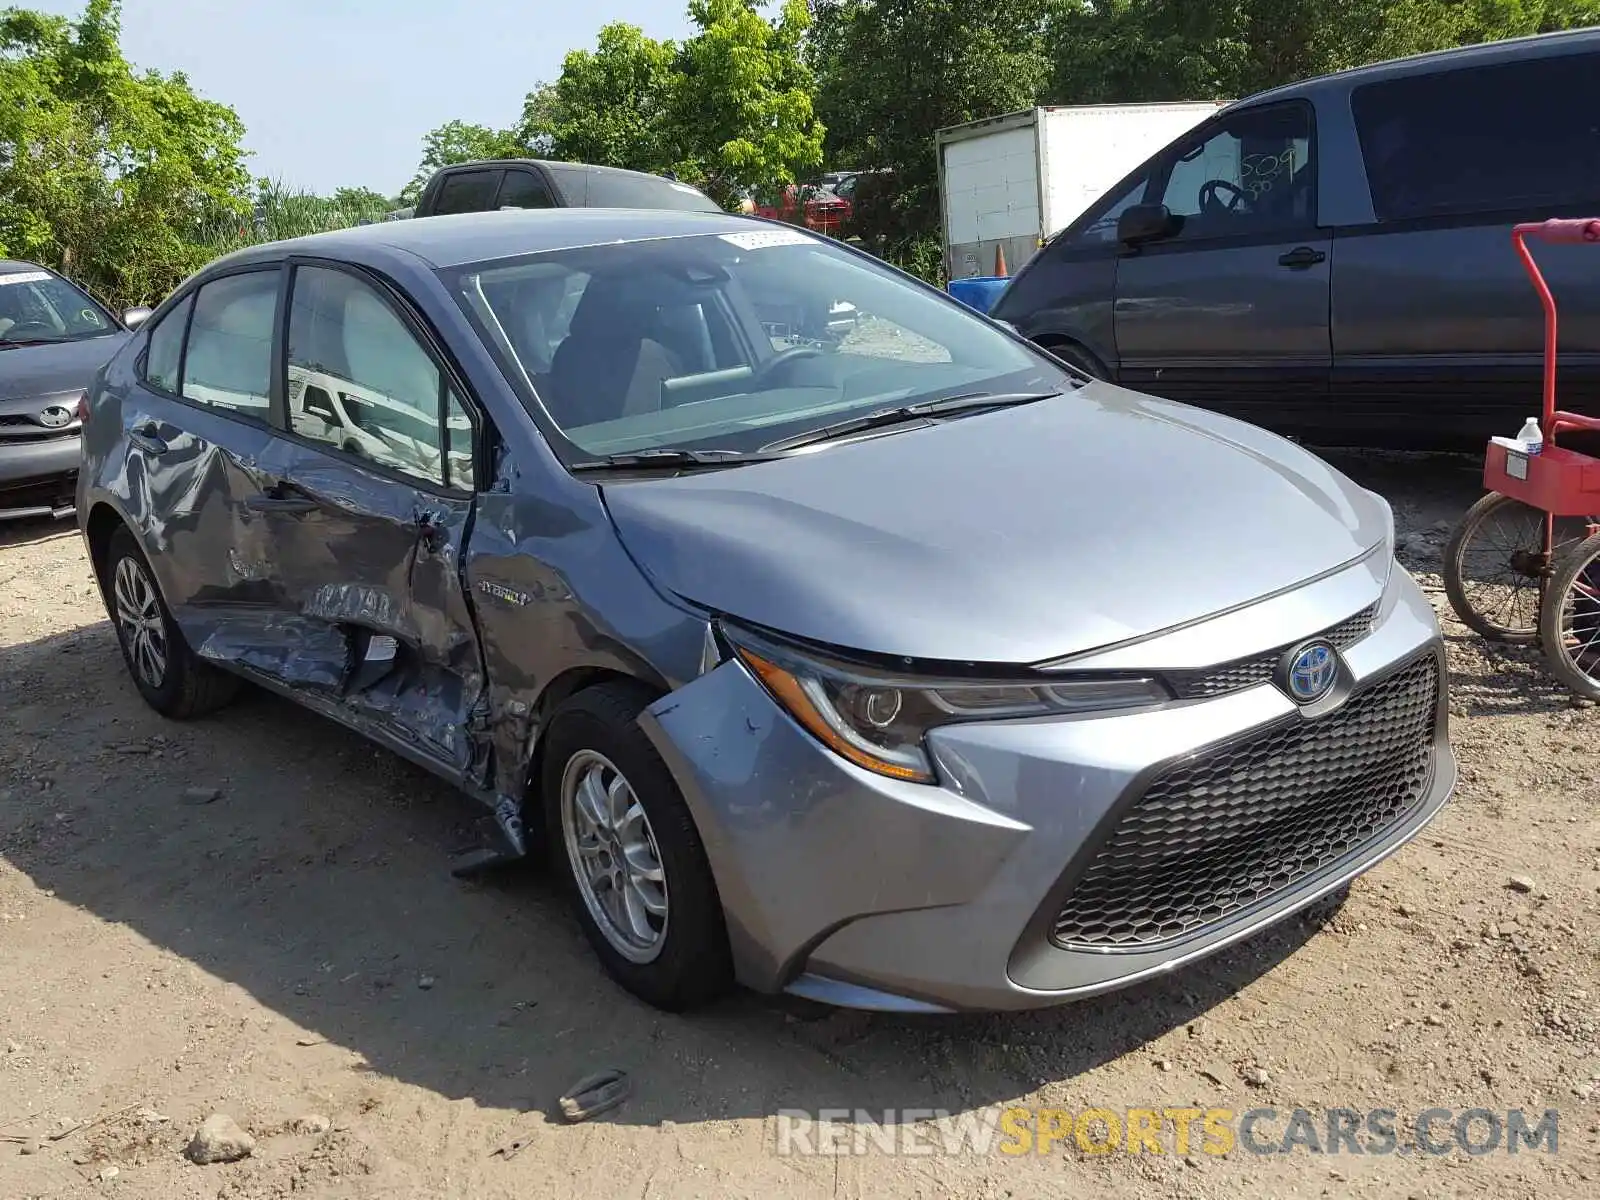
<point x="461" y="238"/>
<point x="8" y="265"/>
<point x="1539" y="45"/>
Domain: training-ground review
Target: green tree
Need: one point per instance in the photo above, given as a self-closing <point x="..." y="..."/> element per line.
<point x="743" y="102"/>
<point x="458" y="142"/>
<point x="609" y="106"/>
<point x="1129" y="50"/>
<point x="109" y="174"/>
<point x="364" y="200"/>
<point x="892" y="72"/>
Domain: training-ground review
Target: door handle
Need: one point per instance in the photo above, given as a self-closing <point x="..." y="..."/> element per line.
<point x="147" y="436"/>
<point x="275" y="500"/>
<point x="1301" y="257"/>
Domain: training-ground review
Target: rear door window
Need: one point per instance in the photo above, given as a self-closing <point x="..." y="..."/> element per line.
<point x="467" y="191"/>
<point x="524" y="189"/>
<point x="228" y="362"/>
<point x="1482" y="139"/>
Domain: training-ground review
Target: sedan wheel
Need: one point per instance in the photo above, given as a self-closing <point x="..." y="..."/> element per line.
<point x="620" y="832"/>
<point x="613" y="855"/>
<point x="139" y="622"/>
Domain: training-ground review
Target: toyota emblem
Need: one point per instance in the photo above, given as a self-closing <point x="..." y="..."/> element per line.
<point x="55" y="417"/>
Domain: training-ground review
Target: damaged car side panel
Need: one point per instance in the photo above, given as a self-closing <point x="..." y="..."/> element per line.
<point x="541" y="571"/>
<point x="367" y="571"/>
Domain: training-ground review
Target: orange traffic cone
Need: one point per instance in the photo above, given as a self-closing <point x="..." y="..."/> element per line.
<point x="1000" y="269"/>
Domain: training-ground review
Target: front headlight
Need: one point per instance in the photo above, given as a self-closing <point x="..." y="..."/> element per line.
<point x="878" y="720"/>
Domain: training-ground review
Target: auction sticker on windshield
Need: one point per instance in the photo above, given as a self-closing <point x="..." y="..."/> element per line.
<point x="24" y="277"/>
<point x="765" y="238"/>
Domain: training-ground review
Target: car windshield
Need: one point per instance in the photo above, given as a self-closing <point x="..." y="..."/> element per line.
<point x="36" y="306"/>
<point x="729" y="341"/>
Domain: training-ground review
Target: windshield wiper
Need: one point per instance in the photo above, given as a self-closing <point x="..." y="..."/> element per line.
<point x="967" y="402"/>
<point x="672" y="457"/>
<point x="13" y="343"/>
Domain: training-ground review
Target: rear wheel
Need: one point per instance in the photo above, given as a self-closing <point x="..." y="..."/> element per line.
<point x="172" y="679"/>
<point x="1569" y="620"/>
<point x="1494" y="563"/>
<point x="625" y="840"/>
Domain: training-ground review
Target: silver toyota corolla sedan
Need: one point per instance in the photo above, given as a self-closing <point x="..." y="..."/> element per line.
<point x="828" y="637"/>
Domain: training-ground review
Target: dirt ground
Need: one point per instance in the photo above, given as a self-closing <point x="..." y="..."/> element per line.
<point x="294" y="954"/>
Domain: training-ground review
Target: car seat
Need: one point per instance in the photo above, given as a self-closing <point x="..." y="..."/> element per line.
<point x="611" y="364"/>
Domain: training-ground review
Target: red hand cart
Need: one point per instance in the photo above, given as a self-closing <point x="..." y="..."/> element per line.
<point x="1535" y="536"/>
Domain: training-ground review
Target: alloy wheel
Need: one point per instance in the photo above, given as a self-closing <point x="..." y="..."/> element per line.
<point x="140" y="623"/>
<point x="614" y="858"/>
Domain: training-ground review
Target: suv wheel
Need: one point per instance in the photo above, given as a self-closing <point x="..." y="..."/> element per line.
<point x="626" y="842"/>
<point x="172" y="679"/>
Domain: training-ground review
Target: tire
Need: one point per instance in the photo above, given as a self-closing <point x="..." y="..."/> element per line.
<point x="1503" y="623"/>
<point x="1079" y="359"/>
<point x="688" y="963"/>
<point x="1571" y="600"/>
<point x="172" y="679"/>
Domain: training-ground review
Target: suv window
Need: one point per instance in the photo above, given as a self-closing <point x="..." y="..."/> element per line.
<point x="616" y="189"/>
<point x="1251" y="173"/>
<point x="165" y="354"/>
<point x="360" y="381"/>
<point x="228" y="363"/>
<point x="1102" y="228"/>
<point x="1482" y="138"/>
<point x="524" y="189"/>
<point x="467" y="191"/>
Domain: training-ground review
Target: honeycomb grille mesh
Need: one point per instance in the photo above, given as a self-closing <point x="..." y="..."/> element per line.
<point x="1249" y="672"/>
<point x="1218" y="834"/>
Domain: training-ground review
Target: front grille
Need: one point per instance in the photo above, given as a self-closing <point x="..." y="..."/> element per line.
<point x="1236" y="825"/>
<point x="1249" y="672"/>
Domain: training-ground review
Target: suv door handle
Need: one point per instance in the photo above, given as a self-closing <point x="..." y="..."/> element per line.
<point x="1301" y="257"/>
<point x="147" y="436"/>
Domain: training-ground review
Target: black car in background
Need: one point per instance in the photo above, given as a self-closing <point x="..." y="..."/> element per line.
<point x="1333" y="258"/>
<point x="490" y="185"/>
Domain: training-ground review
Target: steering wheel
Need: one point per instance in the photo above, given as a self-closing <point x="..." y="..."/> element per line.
<point x="782" y="358"/>
<point x="1211" y="203"/>
<point x="31" y="329"/>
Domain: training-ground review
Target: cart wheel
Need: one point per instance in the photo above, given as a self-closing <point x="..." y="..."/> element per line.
<point x="1494" y="563"/>
<point x="1569" y="619"/>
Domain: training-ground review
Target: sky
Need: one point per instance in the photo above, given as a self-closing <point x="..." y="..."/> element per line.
<point x="339" y="93"/>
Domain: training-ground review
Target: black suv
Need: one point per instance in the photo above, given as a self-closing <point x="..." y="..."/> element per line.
<point x="536" y="183"/>
<point x="1333" y="258"/>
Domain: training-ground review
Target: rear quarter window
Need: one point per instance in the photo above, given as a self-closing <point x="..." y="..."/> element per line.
<point x="1483" y="139"/>
<point x="644" y="191"/>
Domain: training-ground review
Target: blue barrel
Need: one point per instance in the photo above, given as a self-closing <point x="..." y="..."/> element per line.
<point x="979" y="292"/>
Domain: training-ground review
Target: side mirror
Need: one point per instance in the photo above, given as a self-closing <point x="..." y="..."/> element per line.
<point x="135" y="317"/>
<point x="1145" y="223"/>
<point x="317" y="403"/>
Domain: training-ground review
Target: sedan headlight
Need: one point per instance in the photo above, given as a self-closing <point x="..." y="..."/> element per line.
<point x="878" y="720"/>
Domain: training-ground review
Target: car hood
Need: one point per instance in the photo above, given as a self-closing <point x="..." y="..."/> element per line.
<point x="30" y="371"/>
<point x="1016" y="536"/>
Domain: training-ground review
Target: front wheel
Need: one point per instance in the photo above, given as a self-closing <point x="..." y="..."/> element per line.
<point x="1495" y="563"/>
<point x="1569" y="619"/>
<point x="627" y="843"/>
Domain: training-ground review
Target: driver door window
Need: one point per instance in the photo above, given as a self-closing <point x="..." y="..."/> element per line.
<point x="1251" y="174"/>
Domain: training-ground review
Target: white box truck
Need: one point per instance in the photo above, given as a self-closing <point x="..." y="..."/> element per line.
<point x="1006" y="182"/>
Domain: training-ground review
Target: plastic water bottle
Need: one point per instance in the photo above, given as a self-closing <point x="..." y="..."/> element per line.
<point x="1530" y="437"/>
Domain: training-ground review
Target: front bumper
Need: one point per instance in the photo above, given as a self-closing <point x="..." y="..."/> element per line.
<point x="858" y="890"/>
<point x="37" y="475"/>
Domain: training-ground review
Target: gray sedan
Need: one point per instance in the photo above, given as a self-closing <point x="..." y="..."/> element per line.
<point x="53" y="338"/>
<point x="829" y="637"/>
